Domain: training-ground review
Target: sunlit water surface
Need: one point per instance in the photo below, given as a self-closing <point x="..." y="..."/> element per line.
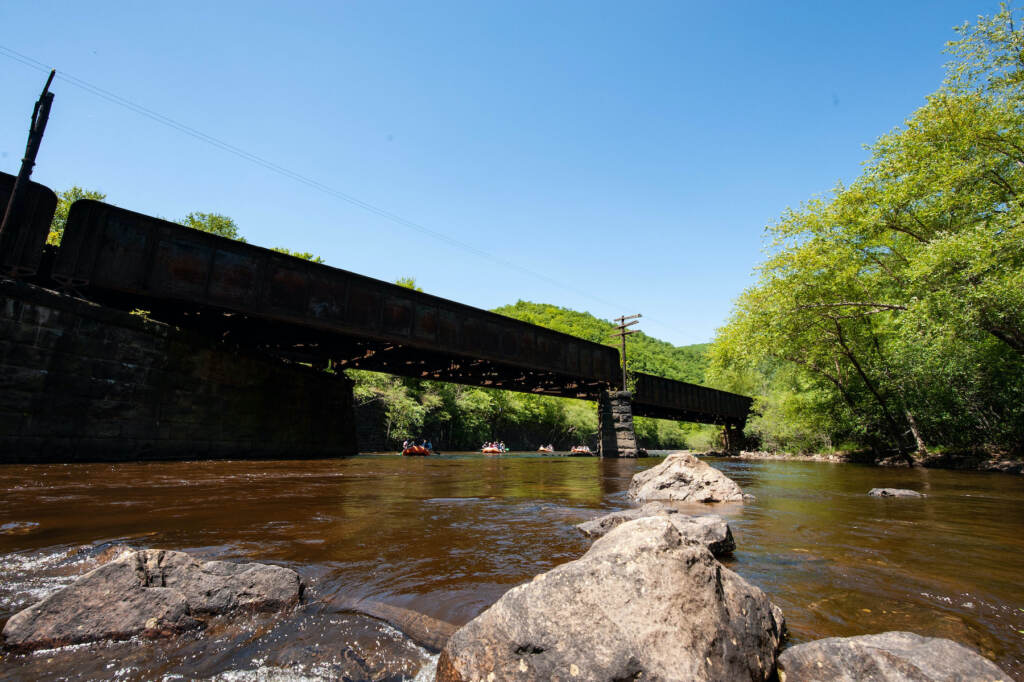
<point x="448" y="535"/>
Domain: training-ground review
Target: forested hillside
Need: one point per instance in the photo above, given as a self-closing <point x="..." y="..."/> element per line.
<point x="645" y="353"/>
<point x="890" y="314"/>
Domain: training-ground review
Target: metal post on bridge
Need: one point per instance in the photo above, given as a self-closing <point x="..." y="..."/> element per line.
<point x="40" y="115"/>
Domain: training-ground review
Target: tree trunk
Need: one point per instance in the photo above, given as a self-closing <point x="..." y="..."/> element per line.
<point x="921" y="449"/>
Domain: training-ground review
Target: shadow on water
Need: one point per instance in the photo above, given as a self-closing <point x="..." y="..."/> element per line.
<point x="447" y="536"/>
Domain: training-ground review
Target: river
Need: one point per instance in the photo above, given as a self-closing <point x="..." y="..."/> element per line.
<point x="448" y="535"/>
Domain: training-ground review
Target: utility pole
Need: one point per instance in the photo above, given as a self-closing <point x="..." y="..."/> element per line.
<point x="622" y="332"/>
<point x="40" y="115"/>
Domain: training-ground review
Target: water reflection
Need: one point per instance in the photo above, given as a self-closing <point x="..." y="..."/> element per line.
<point x="448" y="535"/>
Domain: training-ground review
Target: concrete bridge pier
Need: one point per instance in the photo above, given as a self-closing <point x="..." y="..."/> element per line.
<point x="732" y="436"/>
<point x="615" y="425"/>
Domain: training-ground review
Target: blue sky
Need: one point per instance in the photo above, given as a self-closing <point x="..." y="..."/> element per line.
<point x="626" y="155"/>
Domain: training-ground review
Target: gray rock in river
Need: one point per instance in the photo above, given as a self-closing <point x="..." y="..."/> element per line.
<point x="152" y="593"/>
<point x="683" y="477"/>
<point x="894" y="492"/>
<point x="643" y="603"/>
<point x="889" y="657"/>
<point x="711" y="531"/>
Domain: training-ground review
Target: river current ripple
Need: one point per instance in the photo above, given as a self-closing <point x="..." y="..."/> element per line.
<point x="447" y="536"/>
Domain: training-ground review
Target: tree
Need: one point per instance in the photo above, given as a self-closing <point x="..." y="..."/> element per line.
<point x="214" y="223"/>
<point x="408" y="283"/>
<point x="64" y="201"/>
<point x="305" y="255"/>
<point x="895" y="307"/>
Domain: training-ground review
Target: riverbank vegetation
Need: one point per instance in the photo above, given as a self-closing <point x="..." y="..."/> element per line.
<point x="889" y="314"/>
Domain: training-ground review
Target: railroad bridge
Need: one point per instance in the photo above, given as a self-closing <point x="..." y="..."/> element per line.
<point x="305" y="312"/>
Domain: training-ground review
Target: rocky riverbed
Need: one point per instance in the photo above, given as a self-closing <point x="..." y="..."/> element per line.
<point x="342" y="628"/>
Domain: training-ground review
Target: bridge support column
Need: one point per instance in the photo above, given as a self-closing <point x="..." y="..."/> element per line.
<point x="615" y="425"/>
<point x="732" y="436"/>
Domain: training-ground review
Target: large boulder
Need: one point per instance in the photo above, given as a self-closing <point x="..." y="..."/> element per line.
<point x="888" y="657"/>
<point x="894" y="492"/>
<point x="711" y="531"/>
<point x="684" y="478"/>
<point x="643" y="603"/>
<point x="152" y="593"/>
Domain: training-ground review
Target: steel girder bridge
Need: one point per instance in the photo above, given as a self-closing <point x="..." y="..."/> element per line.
<point x="307" y="312"/>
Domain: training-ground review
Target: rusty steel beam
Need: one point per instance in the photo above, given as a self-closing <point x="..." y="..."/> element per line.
<point x="670" y="399"/>
<point x="22" y="239"/>
<point x="120" y="254"/>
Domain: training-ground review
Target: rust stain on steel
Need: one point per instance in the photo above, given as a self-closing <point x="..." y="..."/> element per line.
<point x="22" y="243"/>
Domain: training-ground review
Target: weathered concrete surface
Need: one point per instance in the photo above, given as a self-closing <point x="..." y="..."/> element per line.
<point x="888" y="657"/>
<point x="894" y="492"/>
<point x="642" y="603"/>
<point x="151" y="593"/>
<point x="683" y="477"/>
<point x="712" y="531"/>
<point x="81" y="382"/>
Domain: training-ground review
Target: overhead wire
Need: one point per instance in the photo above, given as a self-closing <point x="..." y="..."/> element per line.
<point x="298" y="177"/>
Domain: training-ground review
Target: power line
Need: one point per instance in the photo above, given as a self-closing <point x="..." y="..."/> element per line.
<point x="298" y="177"/>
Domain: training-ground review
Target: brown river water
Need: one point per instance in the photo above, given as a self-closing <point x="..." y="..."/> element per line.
<point x="447" y="536"/>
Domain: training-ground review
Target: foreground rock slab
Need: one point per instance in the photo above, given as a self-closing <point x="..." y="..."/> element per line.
<point x="888" y="657"/>
<point x="642" y="603"/>
<point x="149" y="593"/>
<point x="712" y="531"/>
<point x="894" y="492"/>
<point x="684" y="478"/>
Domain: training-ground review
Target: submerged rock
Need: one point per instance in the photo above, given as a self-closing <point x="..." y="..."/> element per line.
<point x="643" y="603"/>
<point x="712" y="531"/>
<point x="894" y="492"/>
<point x="683" y="477"/>
<point x="151" y="593"/>
<point x="890" y="656"/>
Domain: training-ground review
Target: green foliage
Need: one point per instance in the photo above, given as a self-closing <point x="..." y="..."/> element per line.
<point x="305" y="255"/>
<point x="214" y="223"/>
<point x="408" y="283"/>
<point x="891" y="314"/>
<point x="64" y="201"/>
<point x="643" y="353"/>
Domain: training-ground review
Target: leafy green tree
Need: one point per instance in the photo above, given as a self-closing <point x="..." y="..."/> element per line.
<point x="408" y="283"/>
<point x="64" y="201"/>
<point x="305" y="255"/>
<point x="214" y="223"/>
<point x="890" y="314"/>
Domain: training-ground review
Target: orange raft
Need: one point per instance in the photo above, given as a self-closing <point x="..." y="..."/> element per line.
<point x="415" y="451"/>
<point x="491" y="451"/>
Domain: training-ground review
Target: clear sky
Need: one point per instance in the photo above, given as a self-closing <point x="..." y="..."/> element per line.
<point x="627" y="155"/>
